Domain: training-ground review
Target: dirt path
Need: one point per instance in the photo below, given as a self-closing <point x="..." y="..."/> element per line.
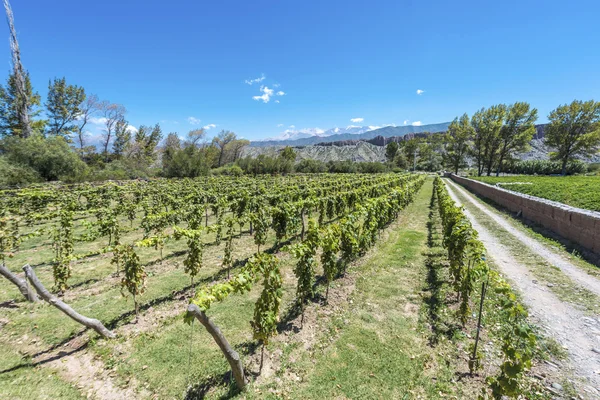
<point x="578" y="333"/>
<point x="575" y="273"/>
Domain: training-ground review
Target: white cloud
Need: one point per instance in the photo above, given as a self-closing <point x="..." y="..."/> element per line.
<point x="193" y="120"/>
<point x="406" y="122"/>
<point x="277" y="101"/>
<point x="312" y="131"/>
<point x="132" y="129"/>
<point x="209" y="126"/>
<point x="279" y="125"/>
<point x="416" y="123"/>
<point x="281" y="93"/>
<point x="266" y="94"/>
<point x="420" y="92"/>
<point x="98" y="120"/>
<point x="256" y="80"/>
<point x="292" y="126"/>
<point x="357" y="120"/>
<point x="373" y="127"/>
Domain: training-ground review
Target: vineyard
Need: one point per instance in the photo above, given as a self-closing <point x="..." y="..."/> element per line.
<point x="99" y="246"/>
<point x="218" y="286"/>
<point x="577" y="191"/>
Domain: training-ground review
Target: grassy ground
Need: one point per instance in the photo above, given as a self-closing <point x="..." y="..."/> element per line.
<point x="375" y="338"/>
<point x="576" y="191"/>
<point x="30" y="382"/>
<point x="376" y="347"/>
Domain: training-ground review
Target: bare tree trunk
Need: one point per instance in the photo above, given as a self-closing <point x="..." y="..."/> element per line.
<point x="20" y="283"/>
<point x="46" y="295"/>
<point x="23" y="101"/>
<point x="233" y="358"/>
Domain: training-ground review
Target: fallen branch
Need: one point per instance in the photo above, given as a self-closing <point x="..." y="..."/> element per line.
<point x="50" y="298"/>
<point x="232" y="356"/>
<point x="24" y="288"/>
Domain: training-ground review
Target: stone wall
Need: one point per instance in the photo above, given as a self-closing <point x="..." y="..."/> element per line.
<point x="575" y="224"/>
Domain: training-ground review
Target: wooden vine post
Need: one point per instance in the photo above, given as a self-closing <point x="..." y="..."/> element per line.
<point x="232" y="356"/>
<point x="46" y="295"/>
<point x="24" y="288"/>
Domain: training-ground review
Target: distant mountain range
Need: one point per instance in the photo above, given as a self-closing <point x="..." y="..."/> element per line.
<point x="313" y="136"/>
<point x="292" y="134"/>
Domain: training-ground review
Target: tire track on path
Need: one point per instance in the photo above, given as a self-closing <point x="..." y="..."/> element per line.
<point x="546" y="252"/>
<point x="569" y="326"/>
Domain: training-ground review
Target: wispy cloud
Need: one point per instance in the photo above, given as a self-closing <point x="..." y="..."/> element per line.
<point x="292" y="126"/>
<point x="209" y="126"/>
<point x="279" y="125"/>
<point x="356" y="120"/>
<point x="406" y="122"/>
<point x="267" y="93"/>
<point x="193" y="120"/>
<point x="256" y="80"/>
<point x="416" y="123"/>
<point x="420" y="92"/>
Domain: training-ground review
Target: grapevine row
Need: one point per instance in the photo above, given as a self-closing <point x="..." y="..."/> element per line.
<point x="468" y="267"/>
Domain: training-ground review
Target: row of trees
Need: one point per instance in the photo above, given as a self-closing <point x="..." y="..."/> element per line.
<point x="494" y="135"/>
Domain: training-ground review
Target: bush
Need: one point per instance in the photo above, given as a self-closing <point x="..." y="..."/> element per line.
<point x="543" y="167"/>
<point x="229" y="170"/>
<point x="51" y="158"/>
<point x="16" y="175"/>
<point x="309" y="166"/>
<point x="189" y="162"/>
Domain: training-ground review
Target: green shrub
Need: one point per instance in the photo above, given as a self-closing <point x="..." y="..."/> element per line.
<point x="12" y="174"/>
<point x="51" y="158"/>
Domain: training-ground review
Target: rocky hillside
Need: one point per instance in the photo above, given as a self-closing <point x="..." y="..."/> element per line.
<point x="387" y="131"/>
<point x="373" y="147"/>
<point x="360" y="151"/>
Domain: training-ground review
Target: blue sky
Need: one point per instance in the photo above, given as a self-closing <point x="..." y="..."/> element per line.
<point x="184" y="63"/>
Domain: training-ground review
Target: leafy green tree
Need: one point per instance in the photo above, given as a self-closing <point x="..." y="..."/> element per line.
<point x="13" y="105"/>
<point x="574" y="130"/>
<point x="430" y="154"/>
<point x="187" y="162"/>
<point x="390" y="151"/>
<point x="221" y="141"/>
<point x="170" y="148"/>
<point x="459" y="135"/>
<point x="288" y="154"/>
<point x="63" y="107"/>
<point x="236" y="147"/>
<point x="195" y="137"/>
<point x="400" y="160"/>
<point x="517" y="131"/>
<point x="487" y="123"/>
<point x="122" y="137"/>
<point x="411" y="148"/>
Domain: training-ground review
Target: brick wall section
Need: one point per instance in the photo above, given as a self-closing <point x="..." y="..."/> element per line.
<point x="575" y="224"/>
